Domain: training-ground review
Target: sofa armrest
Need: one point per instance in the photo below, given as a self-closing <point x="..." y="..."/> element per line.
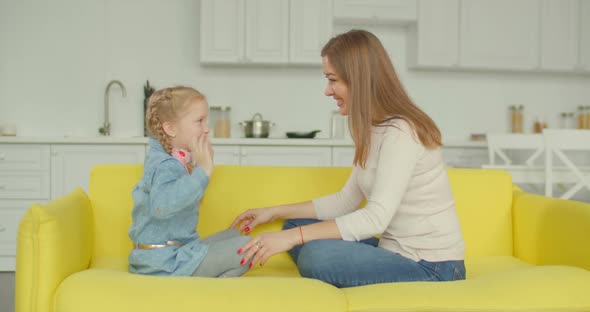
<point x="54" y="241"/>
<point x="551" y="231"/>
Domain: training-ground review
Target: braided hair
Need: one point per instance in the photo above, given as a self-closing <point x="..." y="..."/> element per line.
<point x="167" y="105"/>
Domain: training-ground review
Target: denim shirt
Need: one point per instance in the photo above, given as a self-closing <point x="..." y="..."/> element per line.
<point x="166" y="207"/>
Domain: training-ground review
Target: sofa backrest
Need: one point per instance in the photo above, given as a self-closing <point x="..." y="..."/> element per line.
<point x="483" y="197"/>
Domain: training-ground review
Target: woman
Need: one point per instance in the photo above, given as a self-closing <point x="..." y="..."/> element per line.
<point x="398" y="169"/>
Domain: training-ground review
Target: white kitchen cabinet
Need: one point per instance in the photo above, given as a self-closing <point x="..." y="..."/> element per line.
<point x="434" y="39"/>
<point x="310" y="29"/>
<point x="559" y="35"/>
<point x="375" y="11"/>
<point x="11" y="212"/>
<point x="499" y="34"/>
<point x="267" y="31"/>
<point x="585" y="35"/>
<point x="222" y="31"/>
<point x="465" y="157"/>
<point x="71" y="164"/>
<point x="24" y="180"/>
<point x="300" y="156"/>
<point x="342" y="156"/>
<point x="244" y="31"/>
<point x="460" y="157"/>
<point x="264" y="31"/>
<point x="226" y="154"/>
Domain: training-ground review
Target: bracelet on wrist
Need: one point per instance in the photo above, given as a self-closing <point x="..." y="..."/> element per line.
<point x="301" y="235"/>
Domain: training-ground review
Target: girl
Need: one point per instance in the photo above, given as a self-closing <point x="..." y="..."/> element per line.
<point x="176" y="172"/>
<point x="398" y="169"/>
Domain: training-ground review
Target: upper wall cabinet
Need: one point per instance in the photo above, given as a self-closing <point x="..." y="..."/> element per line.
<point x="499" y="34"/>
<point x="434" y="39"/>
<point x="264" y="31"/>
<point x="559" y="34"/>
<point x="585" y="35"/>
<point x="244" y="31"/>
<point x="267" y="32"/>
<point x="310" y="29"/>
<point x="533" y="35"/>
<point x="375" y="11"/>
<point x="222" y="31"/>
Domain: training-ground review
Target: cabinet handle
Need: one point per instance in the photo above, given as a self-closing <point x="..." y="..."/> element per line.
<point x="2" y="187"/>
<point x="2" y="156"/>
<point x="2" y="228"/>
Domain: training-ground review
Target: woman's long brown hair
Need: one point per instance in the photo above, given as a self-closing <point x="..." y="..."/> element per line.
<point x="376" y="93"/>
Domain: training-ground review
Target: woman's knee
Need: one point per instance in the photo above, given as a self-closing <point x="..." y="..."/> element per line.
<point x="313" y="261"/>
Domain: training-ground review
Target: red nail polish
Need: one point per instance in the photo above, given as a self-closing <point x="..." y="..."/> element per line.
<point x="247" y="229"/>
<point x="243" y="261"/>
<point x="250" y="265"/>
<point x="239" y="251"/>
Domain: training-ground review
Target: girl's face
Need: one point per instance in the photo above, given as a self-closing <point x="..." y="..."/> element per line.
<point x="190" y="125"/>
<point x="336" y="87"/>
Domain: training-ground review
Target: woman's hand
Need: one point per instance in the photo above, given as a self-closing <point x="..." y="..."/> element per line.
<point x="253" y="217"/>
<point x="268" y="244"/>
<point x="202" y="153"/>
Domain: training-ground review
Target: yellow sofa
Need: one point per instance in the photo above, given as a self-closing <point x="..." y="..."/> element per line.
<point x="524" y="252"/>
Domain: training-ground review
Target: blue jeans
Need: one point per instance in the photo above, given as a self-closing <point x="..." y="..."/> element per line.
<point x="347" y="264"/>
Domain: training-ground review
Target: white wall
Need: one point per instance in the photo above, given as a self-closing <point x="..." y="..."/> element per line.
<point x="57" y="57"/>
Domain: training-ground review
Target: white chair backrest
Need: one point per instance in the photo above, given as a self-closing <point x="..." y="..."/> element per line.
<point x="529" y="145"/>
<point x="499" y="143"/>
<point x="558" y="141"/>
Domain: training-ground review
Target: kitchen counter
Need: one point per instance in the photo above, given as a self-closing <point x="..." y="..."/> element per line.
<point x="72" y="140"/>
<point x="452" y="142"/>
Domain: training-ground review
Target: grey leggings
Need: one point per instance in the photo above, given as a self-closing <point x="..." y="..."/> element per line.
<point x="222" y="259"/>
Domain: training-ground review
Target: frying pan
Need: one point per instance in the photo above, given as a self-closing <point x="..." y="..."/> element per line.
<point x="302" y="135"/>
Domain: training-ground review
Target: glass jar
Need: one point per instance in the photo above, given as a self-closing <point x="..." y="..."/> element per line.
<point x="563" y="121"/>
<point x="567" y="120"/>
<point x="539" y="125"/>
<point x="516" y="118"/>
<point x="220" y="117"/>
<point x="581" y="117"/>
<point x="571" y="120"/>
<point x="587" y="117"/>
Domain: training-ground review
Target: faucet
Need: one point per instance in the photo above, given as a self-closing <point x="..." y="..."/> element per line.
<point x="106" y="127"/>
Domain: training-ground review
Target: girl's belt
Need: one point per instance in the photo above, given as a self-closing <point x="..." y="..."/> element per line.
<point x="156" y="246"/>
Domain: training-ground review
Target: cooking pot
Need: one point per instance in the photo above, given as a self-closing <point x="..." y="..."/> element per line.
<point x="257" y="127"/>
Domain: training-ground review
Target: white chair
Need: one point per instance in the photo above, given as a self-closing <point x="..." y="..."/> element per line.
<point x="530" y="145"/>
<point x="556" y="143"/>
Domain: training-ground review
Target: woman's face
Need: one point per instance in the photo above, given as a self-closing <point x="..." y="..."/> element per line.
<point x="336" y="87"/>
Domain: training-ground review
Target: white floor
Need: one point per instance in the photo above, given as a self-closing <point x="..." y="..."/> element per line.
<point x="6" y="291"/>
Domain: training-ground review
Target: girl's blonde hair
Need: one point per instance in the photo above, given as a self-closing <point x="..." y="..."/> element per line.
<point x="376" y="93"/>
<point x="167" y="105"/>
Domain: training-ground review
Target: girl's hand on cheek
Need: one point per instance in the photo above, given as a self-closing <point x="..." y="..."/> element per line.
<point x="203" y="153"/>
<point x="193" y="148"/>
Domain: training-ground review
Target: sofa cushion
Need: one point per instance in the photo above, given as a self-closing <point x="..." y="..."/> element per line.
<point x="480" y="266"/>
<point x="524" y="288"/>
<point x="99" y="290"/>
<point x="110" y="195"/>
<point x="483" y="198"/>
